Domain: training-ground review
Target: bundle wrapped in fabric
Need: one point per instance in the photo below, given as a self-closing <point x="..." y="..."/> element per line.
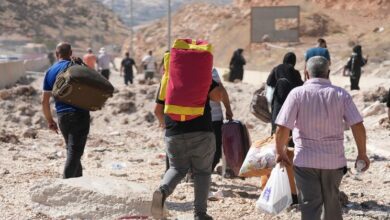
<point x="260" y="158"/>
<point x="259" y="105"/>
<point x="260" y="161"/>
<point x="187" y="79"/>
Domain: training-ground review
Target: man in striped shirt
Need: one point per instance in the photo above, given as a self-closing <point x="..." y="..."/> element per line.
<point x="316" y="112"/>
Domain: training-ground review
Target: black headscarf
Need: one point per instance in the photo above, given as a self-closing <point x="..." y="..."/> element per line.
<point x="290" y="58"/>
<point x="358" y="50"/>
<point x="239" y="51"/>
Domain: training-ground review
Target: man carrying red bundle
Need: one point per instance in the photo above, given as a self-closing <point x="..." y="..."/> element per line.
<point x="189" y="138"/>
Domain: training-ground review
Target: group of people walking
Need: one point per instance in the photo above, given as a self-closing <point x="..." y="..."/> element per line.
<point x="315" y="110"/>
<point x="102" y="63"/>
<point x="311" y="112"/>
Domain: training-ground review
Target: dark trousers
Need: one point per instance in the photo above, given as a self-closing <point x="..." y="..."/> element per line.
<point x="355" y="78"/>
<point x="217" y="127"/>
<point x="128" y="78"/>
<point x="318" y="191"/>
<point x="106" y="73"/>
<point x="74" y="127"/>
<point x="149" y="75"/>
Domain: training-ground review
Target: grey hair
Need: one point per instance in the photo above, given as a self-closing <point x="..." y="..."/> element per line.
<point x="318" y="67"/>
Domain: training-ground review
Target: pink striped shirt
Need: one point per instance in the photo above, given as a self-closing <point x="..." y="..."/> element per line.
<point x="316" y="113"/>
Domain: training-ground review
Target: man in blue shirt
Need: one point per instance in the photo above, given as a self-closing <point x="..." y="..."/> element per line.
<point x="320" y="50"/>
<point x="73" y="122"/>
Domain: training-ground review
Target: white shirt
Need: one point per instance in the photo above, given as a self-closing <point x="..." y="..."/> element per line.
<point x="150" y="63"/>
<point x="216" y="108"/>
<point x="104" y="61"/>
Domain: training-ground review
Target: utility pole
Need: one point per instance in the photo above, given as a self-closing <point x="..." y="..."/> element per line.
<point x="169" y="25"/>
<point x="113" y="28"/>
<point x="131" y="28"/>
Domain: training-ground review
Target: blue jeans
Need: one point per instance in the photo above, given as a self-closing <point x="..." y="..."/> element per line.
<point x="193" y="150"/>
<point x="74" y="127"/>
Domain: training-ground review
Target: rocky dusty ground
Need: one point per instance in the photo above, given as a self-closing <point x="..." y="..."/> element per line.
<point x="126" y="144"/>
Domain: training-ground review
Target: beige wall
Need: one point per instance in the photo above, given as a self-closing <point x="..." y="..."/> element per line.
<point x="39" y="64"/>
<point x="10" y="72"/>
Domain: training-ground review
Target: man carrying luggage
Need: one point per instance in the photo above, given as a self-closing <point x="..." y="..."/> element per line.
<point x="127" y="68"/>
<point x="316" y="112"/>
<point x="189" y="144"/>
<point x="73" y="122"/>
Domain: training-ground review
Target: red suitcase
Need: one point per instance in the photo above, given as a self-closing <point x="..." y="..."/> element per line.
<point x="235" y="143"/>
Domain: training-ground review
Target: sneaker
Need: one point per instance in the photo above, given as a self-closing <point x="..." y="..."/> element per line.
<point x="202" y="216"/>
<point x="157" y="209"/>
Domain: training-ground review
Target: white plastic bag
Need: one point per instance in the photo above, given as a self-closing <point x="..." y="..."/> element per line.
<point x="276" y="195"/>
<point x="269" y="93"/>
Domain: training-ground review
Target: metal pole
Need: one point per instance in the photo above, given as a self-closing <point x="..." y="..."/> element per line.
<point x="131" y="28"/>
<point x="114" y="45"/>
<point x="169" y="25"/>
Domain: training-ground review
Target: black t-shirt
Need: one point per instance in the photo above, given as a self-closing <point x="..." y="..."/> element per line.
<point x="127" y="64"/>
<point x="202" y="123"/>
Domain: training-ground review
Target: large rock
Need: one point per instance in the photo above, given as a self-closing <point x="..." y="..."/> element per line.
<point x="375" y="109"/>
<point x="91" y="198"/>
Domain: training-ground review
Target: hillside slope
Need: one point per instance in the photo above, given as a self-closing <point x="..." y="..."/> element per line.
<point x="228" y="28"/>
<point x="79" y="22"/>
<point x="149" y="10"/>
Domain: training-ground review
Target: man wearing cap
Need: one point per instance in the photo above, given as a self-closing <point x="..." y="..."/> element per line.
<point x="90" y="59"/>
<point x="103" y="61"/>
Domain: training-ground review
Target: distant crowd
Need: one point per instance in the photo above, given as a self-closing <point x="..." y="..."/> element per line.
<point x="102" y="64"/>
